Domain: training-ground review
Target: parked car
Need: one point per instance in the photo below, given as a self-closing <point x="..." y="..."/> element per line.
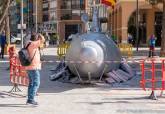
<point x="15" y="40"/>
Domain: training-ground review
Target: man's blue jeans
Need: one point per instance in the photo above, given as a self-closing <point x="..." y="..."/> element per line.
<point x="34" y="83"/>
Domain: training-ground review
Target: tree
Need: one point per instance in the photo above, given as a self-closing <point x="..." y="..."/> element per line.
<point x="4" y="17"/>
<point x="4" y="10"/>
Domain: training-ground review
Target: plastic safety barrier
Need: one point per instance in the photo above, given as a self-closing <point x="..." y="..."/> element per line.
<point x="126" y="49"/>
<point x="153" y="77"/>
<point x="7" y="47"/>
<point x="18" y="75"/>
<point x="42" y="46"/>
<point x="62" y="49"/>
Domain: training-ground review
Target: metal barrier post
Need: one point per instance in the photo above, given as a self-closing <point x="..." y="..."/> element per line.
<point x="142" y="82"/>
<point x="153" y="94"/>
<point x="153" y="75"/>
<point x="163" y="78"/>
<point x="15" y="88"/>
<point x="163" y="75"/>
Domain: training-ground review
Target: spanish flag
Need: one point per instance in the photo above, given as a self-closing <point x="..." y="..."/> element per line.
<point x="108" y="2"/>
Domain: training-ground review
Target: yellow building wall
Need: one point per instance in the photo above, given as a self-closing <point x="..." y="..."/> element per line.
<point x="122" y="13"/>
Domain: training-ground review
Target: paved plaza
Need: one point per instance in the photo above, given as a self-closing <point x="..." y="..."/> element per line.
<point x="66" y="98"/>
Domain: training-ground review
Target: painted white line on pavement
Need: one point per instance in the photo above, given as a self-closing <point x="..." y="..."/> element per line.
<point x="4" y="61"/>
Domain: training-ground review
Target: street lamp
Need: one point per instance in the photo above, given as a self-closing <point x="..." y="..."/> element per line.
<point x="36" y="16"/>
<point x="137" y="25"/>
<point x="22" y="23"/>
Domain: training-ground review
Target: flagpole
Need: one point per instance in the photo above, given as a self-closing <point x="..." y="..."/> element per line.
<point x="36" y="17"/>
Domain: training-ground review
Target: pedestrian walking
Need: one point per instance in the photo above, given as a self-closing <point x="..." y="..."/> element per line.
<point x="34" y="68"/>
<point x="152" y="42"/>
<point x="2" y="43"/>
<point x="130" y="39"/>
<point x="47" y="39"/>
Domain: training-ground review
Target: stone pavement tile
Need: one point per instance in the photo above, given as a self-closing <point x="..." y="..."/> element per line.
<point x="86" y="101"/>
<point x="64" y="98"/>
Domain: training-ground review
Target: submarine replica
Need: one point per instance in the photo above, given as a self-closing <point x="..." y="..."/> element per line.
<point x="92" y="56"/>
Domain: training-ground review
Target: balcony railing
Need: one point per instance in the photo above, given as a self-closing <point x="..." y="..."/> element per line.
<point x="71" y="14"/>
<point x="82" y="7"/>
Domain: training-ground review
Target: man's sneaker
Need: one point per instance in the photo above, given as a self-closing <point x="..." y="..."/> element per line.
<point x="31" y="102"/>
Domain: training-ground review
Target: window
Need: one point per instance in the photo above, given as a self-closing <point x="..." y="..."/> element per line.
<point x="158" y="18"/>
<point x="53" y="4"/>
<point x="45" y="17"/>
<point x="66" y="4"/>
<point x="53" y="16"/>
<point x="75" y="4"/>
<point x="45" y="5"/>
<point x="73" y="9"/>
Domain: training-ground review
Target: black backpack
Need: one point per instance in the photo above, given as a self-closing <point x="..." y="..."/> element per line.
<point x="24" y="56"/>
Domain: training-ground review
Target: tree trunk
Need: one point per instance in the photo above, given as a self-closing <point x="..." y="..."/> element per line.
<point x="2" y="26"/>
<point x="7" y="29"/>
<point x="5" y="11"/>
<point x="162" y="51"/>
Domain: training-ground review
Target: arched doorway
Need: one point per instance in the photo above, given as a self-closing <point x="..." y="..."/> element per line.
<point x="158" y="27"/>
<point x="150" y="22"/>
<point x="142" y="28"/>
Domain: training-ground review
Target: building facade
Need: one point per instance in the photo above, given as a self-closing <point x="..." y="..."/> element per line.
<point x="103" y="13"/>
<point x="37" y="14"/>
<point x="28" y="15"/>
<point x="69" y="17"/>
<point x="49" y="20"/>
<point x="122" y="20"/>
<point x="69" y="14"/>
<point x="60" y="17"/>
<point x="15" y="15"/>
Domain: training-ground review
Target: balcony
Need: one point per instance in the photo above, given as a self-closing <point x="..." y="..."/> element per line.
<point x="45" y="1"/>
<point x="80" y="6"/>
<point x="71" y="14"/>
<point x="64" y="7"/>
<point x="66" y="17"/>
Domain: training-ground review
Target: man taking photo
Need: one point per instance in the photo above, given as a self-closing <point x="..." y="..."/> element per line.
<point x="34" y="68"/>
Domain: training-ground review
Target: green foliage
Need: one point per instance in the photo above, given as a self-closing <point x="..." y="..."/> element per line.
<point x="54" y="37"/>
<point x="114" y="38"/>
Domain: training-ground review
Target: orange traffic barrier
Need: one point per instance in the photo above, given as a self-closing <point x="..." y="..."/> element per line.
<point x="18" y="75"/>
<point x="7" y="47"/>
<point x="153" y="77"/>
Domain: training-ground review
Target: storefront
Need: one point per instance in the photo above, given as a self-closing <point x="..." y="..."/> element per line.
<point x="123" y="20"/>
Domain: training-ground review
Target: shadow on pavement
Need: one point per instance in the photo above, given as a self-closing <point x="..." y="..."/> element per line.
<point x="133" y="100"/>
<point x="104" y="102"/>
<point x="16" y="105"/>
<point x="129" y="99"/>
<point x="4" y="94"/>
